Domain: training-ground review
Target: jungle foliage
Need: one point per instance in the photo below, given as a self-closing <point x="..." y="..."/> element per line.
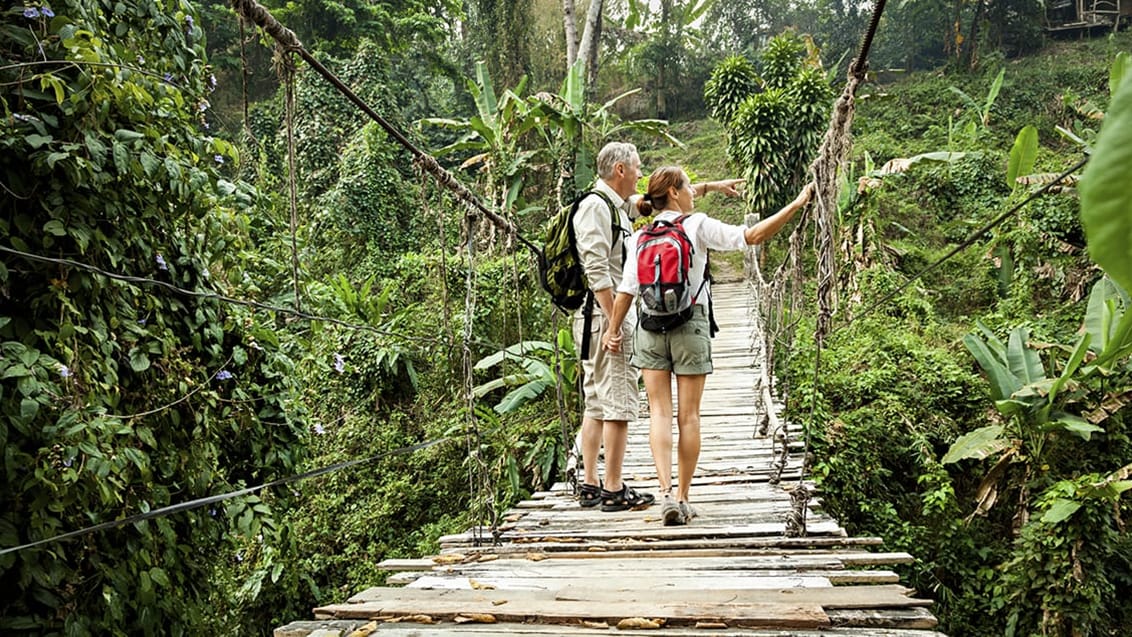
<point x="127" y="148"/>
<point x="1005" y="475"/>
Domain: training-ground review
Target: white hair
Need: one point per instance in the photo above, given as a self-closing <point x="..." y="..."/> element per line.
<point x="612" y="154"/>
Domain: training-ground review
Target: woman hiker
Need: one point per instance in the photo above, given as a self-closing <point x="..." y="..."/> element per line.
<point x="684" y="350"/>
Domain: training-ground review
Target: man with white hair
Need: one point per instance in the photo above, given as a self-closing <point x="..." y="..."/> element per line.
<point x="610" y="382"/>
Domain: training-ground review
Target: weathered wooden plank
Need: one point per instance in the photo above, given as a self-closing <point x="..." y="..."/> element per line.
<point x="842" y="577"/>
<point x="675" y="532"/>
<point x="563" y="630"/>
<point x="542" y="581"/>
<point x="503" y="606"/>
<point x="726" y="546"/>
<point x="839" y="597"/>
<point x="844" y="597"/>
<point x="653" y="561"/>
<point x="884" y="618"/>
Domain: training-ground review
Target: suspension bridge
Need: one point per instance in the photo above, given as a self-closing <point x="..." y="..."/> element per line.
<point x="742" y="567"/>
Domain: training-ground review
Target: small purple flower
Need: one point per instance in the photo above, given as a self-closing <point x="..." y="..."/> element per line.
<point x="141" y="321"/>
<point x="189" y="21"/>
<point x="141" y="61"/>
<point x="168" y="78"/>
<point x="31" y="12"/>
<point x="64" y="371"/>
<point x="319" y="430"/>
<point x="211" y="82"/>
<point x="224" y="375"/>
<point x="47" y="12"/>
<point x="68" y="462"/>
<point x="339" y="363"/>
<point x="212" y="511"/>
<point x="161" y="264"/>
<point x="203" y="106"/>
<point x="239" y="556"/>
<point x="218" y="159"/>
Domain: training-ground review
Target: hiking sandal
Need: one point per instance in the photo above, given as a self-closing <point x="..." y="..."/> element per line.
<point x="625" y="499"/>
<point x="589" y="495"/>
<point x="687" y="512"/>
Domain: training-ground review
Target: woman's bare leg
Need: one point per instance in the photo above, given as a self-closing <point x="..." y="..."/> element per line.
<point x="658" y="386"/>
<point x="689" y="389"/>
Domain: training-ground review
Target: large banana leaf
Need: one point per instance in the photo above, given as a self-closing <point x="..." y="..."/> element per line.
<point x="1025" y="363"/>
<point x="980" y="443"/>
<point x="1108" y="324"/>
<point x="1075" y="425"/>
<point x="518" y="351"/>
<point x="522" y="395"/>
<point x="1003" y="382"/>
<point x="1022" y="155"/>
<point x="1106" y="199"/>
<point x="484" y="93"/>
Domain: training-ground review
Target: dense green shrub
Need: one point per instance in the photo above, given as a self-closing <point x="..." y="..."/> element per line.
<point x="118" y="397"/>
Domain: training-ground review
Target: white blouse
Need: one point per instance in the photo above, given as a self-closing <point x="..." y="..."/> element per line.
<point x="705" y="233"/>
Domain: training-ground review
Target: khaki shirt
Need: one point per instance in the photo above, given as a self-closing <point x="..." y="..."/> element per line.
<point x="602" y="259"/>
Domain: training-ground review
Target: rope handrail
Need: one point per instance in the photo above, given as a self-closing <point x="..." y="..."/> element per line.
<point x="137" y="280"/>
<point x="221" y="497"/>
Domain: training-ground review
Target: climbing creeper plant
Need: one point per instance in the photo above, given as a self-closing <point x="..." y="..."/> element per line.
<point x="119" y="398"/>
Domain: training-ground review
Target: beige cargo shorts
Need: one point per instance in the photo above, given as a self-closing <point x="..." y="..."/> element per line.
<point x="609" y="388"/>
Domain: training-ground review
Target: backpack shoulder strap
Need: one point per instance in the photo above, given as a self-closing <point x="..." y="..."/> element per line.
<point x="614" y="220"/>
<point x="613" y="216"/>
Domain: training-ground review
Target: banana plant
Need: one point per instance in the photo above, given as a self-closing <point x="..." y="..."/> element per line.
<point x="494" y="134"/>
<point x="537" y="375"/>
<point x="976" y="119"/>
<point x="571" y="128"/>
<point x="1036" y="407"/>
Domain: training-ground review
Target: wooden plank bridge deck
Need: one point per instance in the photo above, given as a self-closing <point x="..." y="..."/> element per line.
<point x="562" y="570"/>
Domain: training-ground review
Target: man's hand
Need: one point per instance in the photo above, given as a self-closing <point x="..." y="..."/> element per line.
<point x="728" y="186"/>
<point x="611" y="340"/>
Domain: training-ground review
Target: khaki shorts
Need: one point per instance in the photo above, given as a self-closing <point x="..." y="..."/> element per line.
<point x="609" y="388"/>
<point x="685" y="351"/>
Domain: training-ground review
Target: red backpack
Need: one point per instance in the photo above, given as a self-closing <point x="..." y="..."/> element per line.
<point x="664" y="256"/>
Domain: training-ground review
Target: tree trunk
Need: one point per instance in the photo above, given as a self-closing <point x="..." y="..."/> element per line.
<point x="971" y="51"/>
<point x="952" y="44"/>
<point x="667" y="39"/>
<point x="571" y="33"/>
<point x="591" y="38"/>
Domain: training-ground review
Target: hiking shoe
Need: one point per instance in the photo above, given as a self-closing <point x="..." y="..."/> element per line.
<point x="589" y="495"/>
<point x="625" y="499"/>
<point x="687" y="512"/>
<point x="670" y="512"/>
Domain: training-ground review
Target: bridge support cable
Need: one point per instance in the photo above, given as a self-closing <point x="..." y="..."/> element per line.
<point x="255" y="13"/>
<point x="481" y="491"/>
<point x="287" y="71"/>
